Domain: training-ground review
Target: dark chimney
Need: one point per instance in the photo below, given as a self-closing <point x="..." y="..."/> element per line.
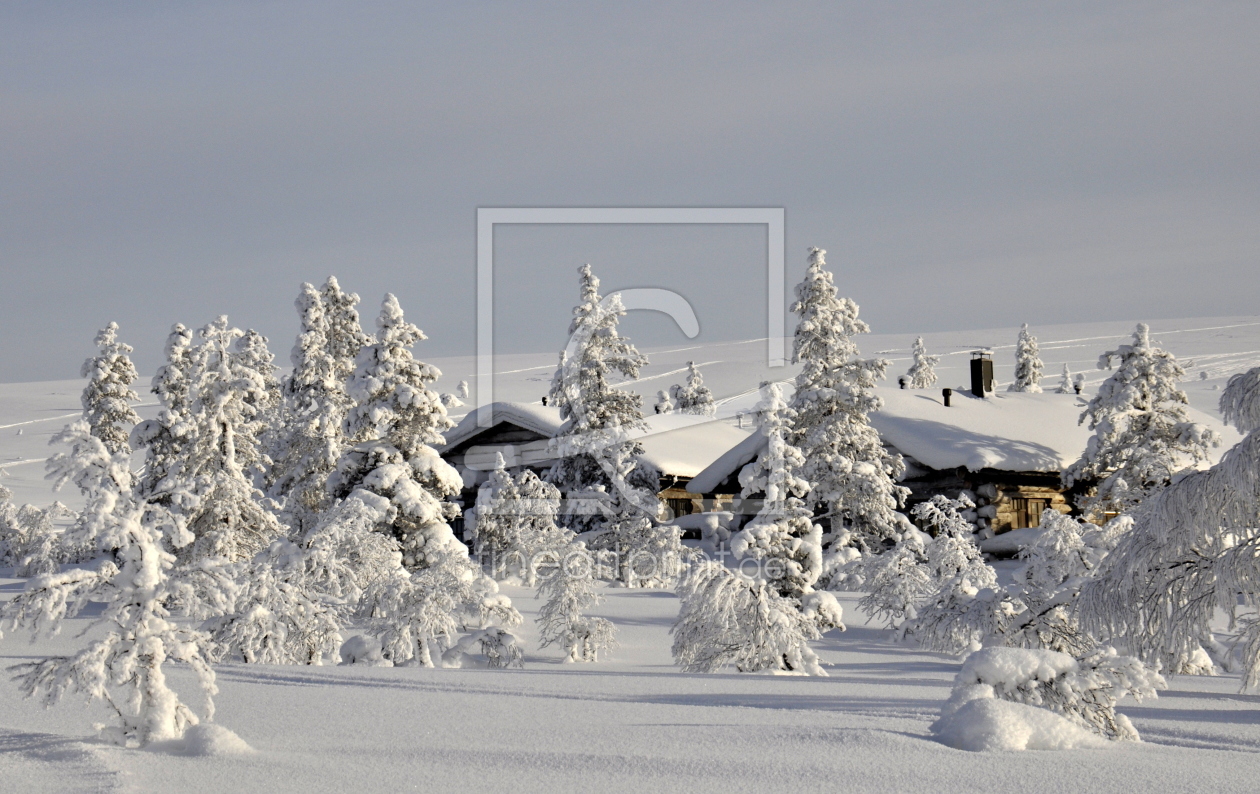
<point x="981" y="372"/>
<point x="947" y="393"/>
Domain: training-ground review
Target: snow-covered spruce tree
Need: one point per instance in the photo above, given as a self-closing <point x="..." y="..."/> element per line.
<point x="901" y="581"/>
<point x="727" y="619"/>
<point x="922" y="372"/>
<point x="293" y="599"/>
<point x="1193" y="548"/>
<point x="513" y="521"/>
<point x="395" y="421"/>
<point x="664" y="405"/>
<point x="108" y="395"/>
<point x="309" y="440"/>
<point x="597" y="467"/>
<point x="1142" y="436"/>
<point x="344" y="333"/>
<point x="164" y="437"/>
<point x="214" y="492"/>
<point x="1028" y="366"/>
<point x="252" y="356"/>
<point x="417" y="614"/>
<point x="125" y="667"/>
<point x="278" y="618"/>
<point x="8" y="526"/>
<point x="846" y="464"/>
<point x="567" y="585"/>
<point x="36" y="542"/>
<point x="103" y="475"/>
<point x="782" y="537"/>
<point x="1038" y="611"/>
<point x="694" y="397"/>
<point x="1085" y="691"/>
<point x="1065" y="382"/>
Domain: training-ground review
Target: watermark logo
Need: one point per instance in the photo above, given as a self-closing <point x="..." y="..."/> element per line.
<point x="662" y="299"/>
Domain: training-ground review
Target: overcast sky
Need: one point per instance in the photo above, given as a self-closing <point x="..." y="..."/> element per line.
<point x="965" y="165"/>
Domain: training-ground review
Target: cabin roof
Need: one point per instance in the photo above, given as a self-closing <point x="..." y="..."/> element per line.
<point x="679" y="445"/>
<point x="1008" y="431"/>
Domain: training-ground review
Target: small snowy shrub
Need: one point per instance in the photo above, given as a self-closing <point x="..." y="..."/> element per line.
<point x="364" y="650"/>
<point x="513" y="521"/>
<point x="1084" y="691"/>
<point x="492" y="647"/>
<point x="726" y="619"/>
<point x="568" y="587"/>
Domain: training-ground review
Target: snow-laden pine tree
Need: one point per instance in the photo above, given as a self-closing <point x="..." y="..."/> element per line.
<point x="252" y="355"/>
<point x="1142" y="436"/>
<point x="904" y="581"/>
<point x="567" y="585"/>
<point x="1193" y="549"/>
<point x="125" y="666"/>
<point x="1065" y="382"/>
<point x="725" y="619"/>
<point x="395" y="421"/>
<point x="210" y="484"/>
<point x="102" y="475"/>
<point x="693" y="397"/>
<point x="849" y="470"/>
<point x="1028" y="366"/>
<point x="514" y="521"/>
<point x="309" y="440"/>
<point x="418" y="614"/>
<point x="597" y="467"/>
<point x="664" y="405"/>
<point x="165" y="437"/>
<point x="291" y="601"/>
<point x="36" y="543"/>
<point x="1037" y="611"/>
<point x="922" y="373"/>
<point x="108" y="395"/>
<point x="782" y="537"/>
<point x="8" y="526"/>
<point x="345" y="334"/>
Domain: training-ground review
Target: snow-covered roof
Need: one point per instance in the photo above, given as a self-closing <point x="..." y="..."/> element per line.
<point x="541" y="419"/>
<point x="729" y="462"/>
<point x="680" y="445"/>
<point x="1008" y="431"/>
<point x="683" y="445"/>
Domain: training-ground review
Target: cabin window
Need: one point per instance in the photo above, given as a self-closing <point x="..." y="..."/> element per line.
<point x="678" y="507"/>
<point x="1027" y="512"/>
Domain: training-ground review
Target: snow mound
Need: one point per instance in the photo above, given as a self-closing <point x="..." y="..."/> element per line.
<point x="205" y="740"/>
<point x="363" y="650"/>
<point x="985" y="724"/>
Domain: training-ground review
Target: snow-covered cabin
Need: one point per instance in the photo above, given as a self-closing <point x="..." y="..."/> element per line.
<point x="679" y="445"/>
<point x="1007" y="450"/>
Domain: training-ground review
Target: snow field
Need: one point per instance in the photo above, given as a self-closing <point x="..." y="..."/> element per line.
<point x="630" y="724"/>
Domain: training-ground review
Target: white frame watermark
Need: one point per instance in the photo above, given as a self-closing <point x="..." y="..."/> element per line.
<point x="774" y="218"/>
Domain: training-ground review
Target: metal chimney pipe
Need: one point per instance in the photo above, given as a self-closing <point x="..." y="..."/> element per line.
<point x="947" y="393"/>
